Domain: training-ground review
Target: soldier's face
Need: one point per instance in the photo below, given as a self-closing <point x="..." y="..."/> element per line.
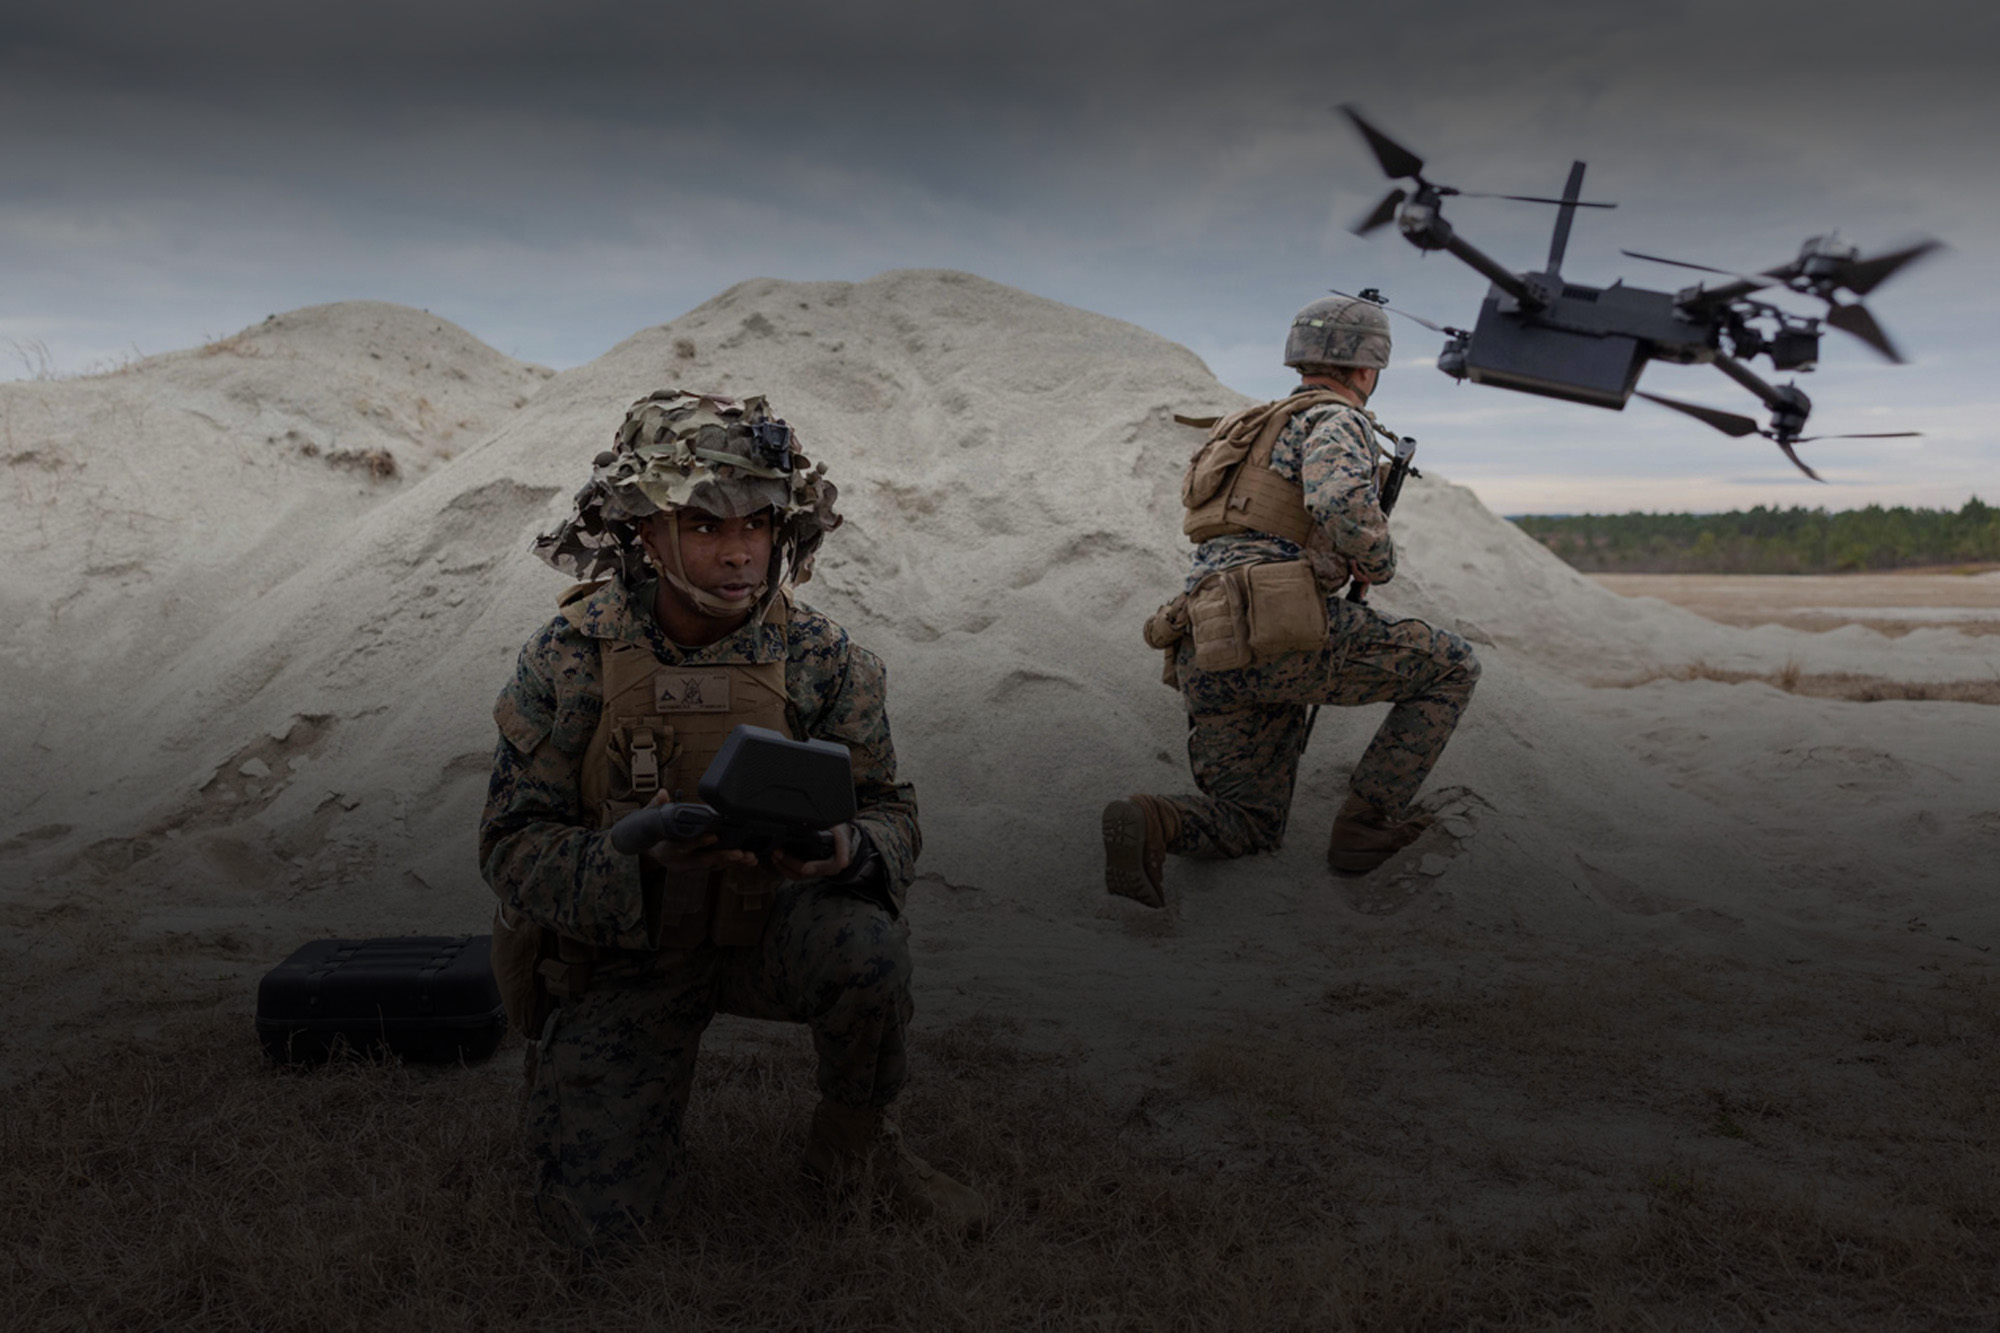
<point x="724" y="557"/>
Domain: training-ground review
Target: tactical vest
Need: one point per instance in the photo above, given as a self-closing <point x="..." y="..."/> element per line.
<point x="1229" y="486"/>
<point x="660" y="727"/>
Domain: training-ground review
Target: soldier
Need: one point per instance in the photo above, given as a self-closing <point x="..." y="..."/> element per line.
<point x="1284" y="508"/>
<point x="692" y="533"/>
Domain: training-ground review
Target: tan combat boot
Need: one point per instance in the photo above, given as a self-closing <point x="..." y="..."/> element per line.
<point x="1136" y="831"/>
<point x="1362" y="839"/>
<point x="850" y="1146"/>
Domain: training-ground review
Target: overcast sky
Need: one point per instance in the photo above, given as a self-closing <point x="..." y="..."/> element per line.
<point x="555" y="177"/>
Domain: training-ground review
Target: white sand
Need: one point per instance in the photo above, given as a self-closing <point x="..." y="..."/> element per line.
<point x="249" y="691"/>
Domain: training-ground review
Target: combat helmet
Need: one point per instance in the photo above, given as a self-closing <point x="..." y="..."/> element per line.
<point x="677" y="449"/>
<point x="1338" y="331"/>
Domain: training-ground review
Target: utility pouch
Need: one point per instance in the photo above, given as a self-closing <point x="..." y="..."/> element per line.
<point x="1215" y="463"/>
<point x="1168" y="625"/>
<point x="1287" y="613"/>
<point x="1218" y="623"/>
<point x="1165" y="629"/>
<point x="517" y="953"/>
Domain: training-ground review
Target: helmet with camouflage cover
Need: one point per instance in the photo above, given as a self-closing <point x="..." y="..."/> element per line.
<point x="677" y="450"/>
<point x="1338" y="331"/>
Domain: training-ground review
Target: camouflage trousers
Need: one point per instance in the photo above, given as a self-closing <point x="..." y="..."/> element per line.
<point x="1246" y="727"/>
<point x="613" y="1068"/>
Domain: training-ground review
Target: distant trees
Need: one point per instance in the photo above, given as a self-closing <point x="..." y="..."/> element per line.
<point x="1771" y="541"/>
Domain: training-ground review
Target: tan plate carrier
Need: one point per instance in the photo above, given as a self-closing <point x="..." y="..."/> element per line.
<point x="1250" y="613"/>
<point x="660" y="727"/>
<point x="1229" y="486"/>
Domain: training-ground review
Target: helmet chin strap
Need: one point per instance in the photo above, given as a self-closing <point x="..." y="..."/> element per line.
<point x="673" y="572"/>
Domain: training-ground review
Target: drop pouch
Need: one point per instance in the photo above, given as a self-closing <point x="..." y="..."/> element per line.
<point x="1287" y="611"/>
<point x="516" y="951"/>
<point x="1218" y="622"/>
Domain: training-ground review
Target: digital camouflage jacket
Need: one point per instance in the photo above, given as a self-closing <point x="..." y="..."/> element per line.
<point x="540" y="850"/>
<point x="1330" y="451"/>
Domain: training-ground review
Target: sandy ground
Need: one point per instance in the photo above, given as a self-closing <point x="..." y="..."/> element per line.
<point x="1889" y="603"/>
<point x="250" y="698"/>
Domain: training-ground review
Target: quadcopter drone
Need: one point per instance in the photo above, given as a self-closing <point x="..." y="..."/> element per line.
<point x="1539" y="333"/>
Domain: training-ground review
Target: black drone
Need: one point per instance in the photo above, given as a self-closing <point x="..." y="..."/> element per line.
<point x="1539" y="333"/>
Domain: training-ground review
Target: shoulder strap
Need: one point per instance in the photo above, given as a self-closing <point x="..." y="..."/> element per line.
<point x="1230" y="487"/>
<point x="571" y="604"/>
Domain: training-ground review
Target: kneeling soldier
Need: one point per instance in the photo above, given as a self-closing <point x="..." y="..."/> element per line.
<point x="1284" y="508"/>
<point x="694" y="530"/>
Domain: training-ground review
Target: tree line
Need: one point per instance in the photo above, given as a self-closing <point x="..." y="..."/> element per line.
<point x="1771" y="541"/>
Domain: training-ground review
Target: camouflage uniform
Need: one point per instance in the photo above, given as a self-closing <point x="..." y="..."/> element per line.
<point x="611" y="1075"/>
<point x="1246" y="725"/>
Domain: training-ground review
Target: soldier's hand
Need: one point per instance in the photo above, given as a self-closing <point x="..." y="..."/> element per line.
<point x="687" y="856"/>
<point x="792" y="868"/>
<point x="1354" y="573"/>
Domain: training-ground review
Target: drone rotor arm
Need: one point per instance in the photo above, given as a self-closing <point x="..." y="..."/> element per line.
<point x="1501" y="277"/>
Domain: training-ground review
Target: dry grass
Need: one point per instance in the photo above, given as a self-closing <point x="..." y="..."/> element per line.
<point x="1623" y="1147"/>
<point x="1835" y="684"/>
<point x="240" y="343"/>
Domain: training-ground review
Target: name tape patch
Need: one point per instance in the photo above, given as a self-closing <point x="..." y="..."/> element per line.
<point x="691" y="691"/>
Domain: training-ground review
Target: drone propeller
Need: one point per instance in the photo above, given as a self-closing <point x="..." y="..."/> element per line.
<point x="1736" y="425"/>
<point x="1704" y="268"/>
<point x="1522" y="198"/>
<point x="1383" y="213"/>
<point x="1856" y="320"/>
<point x="1820" y="270"/>
<point x="1826" y="269"/>
<point x="1370" y="295"/>
<point x="1733" y="424"/>
<point x="1827" y="265"/>
<point x="1399" y="163"/>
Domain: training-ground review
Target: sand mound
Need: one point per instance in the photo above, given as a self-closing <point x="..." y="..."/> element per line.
<point x="145" y="503"/>
<point x="301" y="746"/>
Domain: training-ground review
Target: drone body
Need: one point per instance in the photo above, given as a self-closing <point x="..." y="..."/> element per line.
<point x="1586" y="344"/>
<point x="1540" y="333"/>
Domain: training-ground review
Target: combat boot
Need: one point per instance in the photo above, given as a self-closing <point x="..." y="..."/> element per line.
<point x="850" y="1147"/>
<point x="1135" y="848"/>
<point x="1363" y="839"/>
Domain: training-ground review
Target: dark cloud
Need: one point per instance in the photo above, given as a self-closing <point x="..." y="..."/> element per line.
<point x="554" y="177"/>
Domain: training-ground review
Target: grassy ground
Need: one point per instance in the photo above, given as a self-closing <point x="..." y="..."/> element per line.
<point x="1612" y="1147"/>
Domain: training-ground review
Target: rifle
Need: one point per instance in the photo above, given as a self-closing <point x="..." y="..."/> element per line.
<point x="763" y="792"/>
<point x="1401" y="468"/>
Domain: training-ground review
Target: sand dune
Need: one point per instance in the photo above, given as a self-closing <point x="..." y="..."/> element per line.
<point x="253" y="679"/>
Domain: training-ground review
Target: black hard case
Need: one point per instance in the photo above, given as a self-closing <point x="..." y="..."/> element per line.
<point x="422" y="997"/>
